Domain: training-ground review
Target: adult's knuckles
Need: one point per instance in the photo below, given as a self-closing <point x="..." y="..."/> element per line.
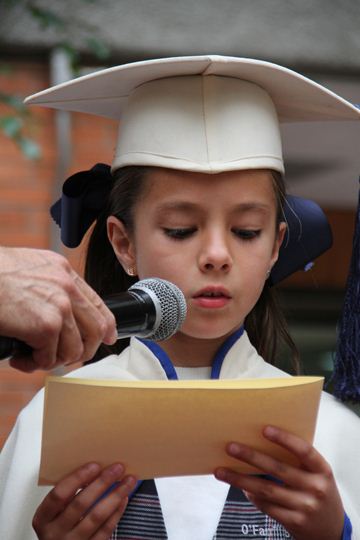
<point x="51" y="326"/>
<point x="59" y="261"/>
<point x="63" y="304"/>
<point x="67" y="354"/>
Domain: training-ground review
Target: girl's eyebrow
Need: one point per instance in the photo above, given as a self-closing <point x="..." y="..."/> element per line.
<point x="179" y="206"/>
<point x="190" y="207"/>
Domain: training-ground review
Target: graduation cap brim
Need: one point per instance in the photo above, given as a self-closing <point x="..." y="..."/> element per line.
<point x="105" y="92"/>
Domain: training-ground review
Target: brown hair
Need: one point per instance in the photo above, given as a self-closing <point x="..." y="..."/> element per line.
<point x="265" y="324"/>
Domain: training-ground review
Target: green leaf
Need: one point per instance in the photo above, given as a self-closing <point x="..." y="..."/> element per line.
<point x="11" y="125"/>
<point x="99" y="48"/>
<point x="30" y="149"/>
<point x="45" y="17"/>
<point x="14" y="101"/>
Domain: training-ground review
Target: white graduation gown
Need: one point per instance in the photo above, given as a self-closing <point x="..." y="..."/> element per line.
<point x="337" y="435"/>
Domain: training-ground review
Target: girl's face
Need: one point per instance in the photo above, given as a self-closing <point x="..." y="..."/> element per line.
<point x="214" y="236"/>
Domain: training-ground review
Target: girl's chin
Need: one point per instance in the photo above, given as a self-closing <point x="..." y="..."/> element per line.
<point x="209" y="332"/>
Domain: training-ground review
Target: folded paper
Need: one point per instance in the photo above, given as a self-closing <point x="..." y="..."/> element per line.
<point x="169" y="428"/>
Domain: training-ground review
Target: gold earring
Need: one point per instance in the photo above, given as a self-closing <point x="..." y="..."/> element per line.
<point x="132" y="271"/>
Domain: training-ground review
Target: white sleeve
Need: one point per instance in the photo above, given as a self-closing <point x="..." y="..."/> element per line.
<point x="19" y="467"/>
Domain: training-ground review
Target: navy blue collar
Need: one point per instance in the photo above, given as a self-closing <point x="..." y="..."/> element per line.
<point x="168" y="366"/>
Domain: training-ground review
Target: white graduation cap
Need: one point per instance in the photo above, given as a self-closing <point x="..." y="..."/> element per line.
<point x="199" y="113"/>
<point x="212" y="114"/>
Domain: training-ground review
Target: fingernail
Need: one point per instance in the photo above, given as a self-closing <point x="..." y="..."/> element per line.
<point x="92" y="467"/>
<point x="130" y="481"/>
<point x="117" y="469"/>
<point x="220" y="474"/>
<point x="235" y="449"/>
<point x="270" y="432"/>
<point x="111" y="336"/>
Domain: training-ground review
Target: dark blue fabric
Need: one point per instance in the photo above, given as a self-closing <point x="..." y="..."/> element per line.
<point x="84" y="196"/>
<point x="307" y="236"/>
<point x="347" y="530"/>
<point x="346" y="376"/>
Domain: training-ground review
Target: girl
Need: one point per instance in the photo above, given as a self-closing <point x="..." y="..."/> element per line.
<point x="196" y="198"/>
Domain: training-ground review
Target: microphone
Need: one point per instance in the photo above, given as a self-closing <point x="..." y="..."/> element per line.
<point x="152" y="308"/>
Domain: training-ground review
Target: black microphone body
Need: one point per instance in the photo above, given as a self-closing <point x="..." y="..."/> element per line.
<point x="152" y="308"/>
<point x="135" y="313"/>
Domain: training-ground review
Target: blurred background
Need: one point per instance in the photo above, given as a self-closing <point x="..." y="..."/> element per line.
<point x="43" y="43"/>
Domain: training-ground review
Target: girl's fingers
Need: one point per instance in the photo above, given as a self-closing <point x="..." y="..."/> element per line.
<point x="102" y="518"/>
<point x="288" y="474"/>
<point x="89" y="506"/>
<point x="311" y="474"/>
<point x="305" y="501"/>
<point x="108" y="528"/>
<point x="268" y="491"/>
<point x="293" y="520"/>
<point x="309" y="458"/>
<point x="84" y="503"/>
<point x="63" y="492"/>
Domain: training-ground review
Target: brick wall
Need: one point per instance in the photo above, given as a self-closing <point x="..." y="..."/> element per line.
<point x="26" y="189"/>
<point x="26" y="193"/>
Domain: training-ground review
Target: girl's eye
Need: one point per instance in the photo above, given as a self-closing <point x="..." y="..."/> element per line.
<point x="246" y="234"/>
<point x="179" y="233"/>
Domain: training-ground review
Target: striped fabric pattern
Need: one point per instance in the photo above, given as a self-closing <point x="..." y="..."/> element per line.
<point x="240" y="519"/>
<point x="143" y="519"/>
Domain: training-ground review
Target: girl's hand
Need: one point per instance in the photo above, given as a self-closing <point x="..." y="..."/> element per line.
<point x="307" y="502"/>
<point x="68" y="511"/>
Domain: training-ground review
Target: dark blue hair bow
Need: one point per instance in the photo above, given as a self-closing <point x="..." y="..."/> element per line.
<point x="308" y="235"/>
<point x="84" y="195"/>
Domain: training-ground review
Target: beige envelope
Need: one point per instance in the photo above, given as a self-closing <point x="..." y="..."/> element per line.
<point x="169" y="428"/>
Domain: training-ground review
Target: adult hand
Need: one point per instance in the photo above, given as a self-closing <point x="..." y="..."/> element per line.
<point x="46" y="304"/>
<point x="306" y="501"/>
<point x="76" y="508"/>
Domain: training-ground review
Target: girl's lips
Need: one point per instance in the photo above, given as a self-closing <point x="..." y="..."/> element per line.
<point x="212" y="297"/>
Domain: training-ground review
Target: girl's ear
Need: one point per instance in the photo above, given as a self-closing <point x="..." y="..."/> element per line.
<point x="278" y="241"/>
<point x="121" y="242"/>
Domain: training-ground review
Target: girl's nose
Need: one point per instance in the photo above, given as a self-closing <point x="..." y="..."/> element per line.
<point x="215" y="254"/>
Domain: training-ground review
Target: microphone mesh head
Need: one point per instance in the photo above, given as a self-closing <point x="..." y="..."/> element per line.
<point x="171" y="302"/>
